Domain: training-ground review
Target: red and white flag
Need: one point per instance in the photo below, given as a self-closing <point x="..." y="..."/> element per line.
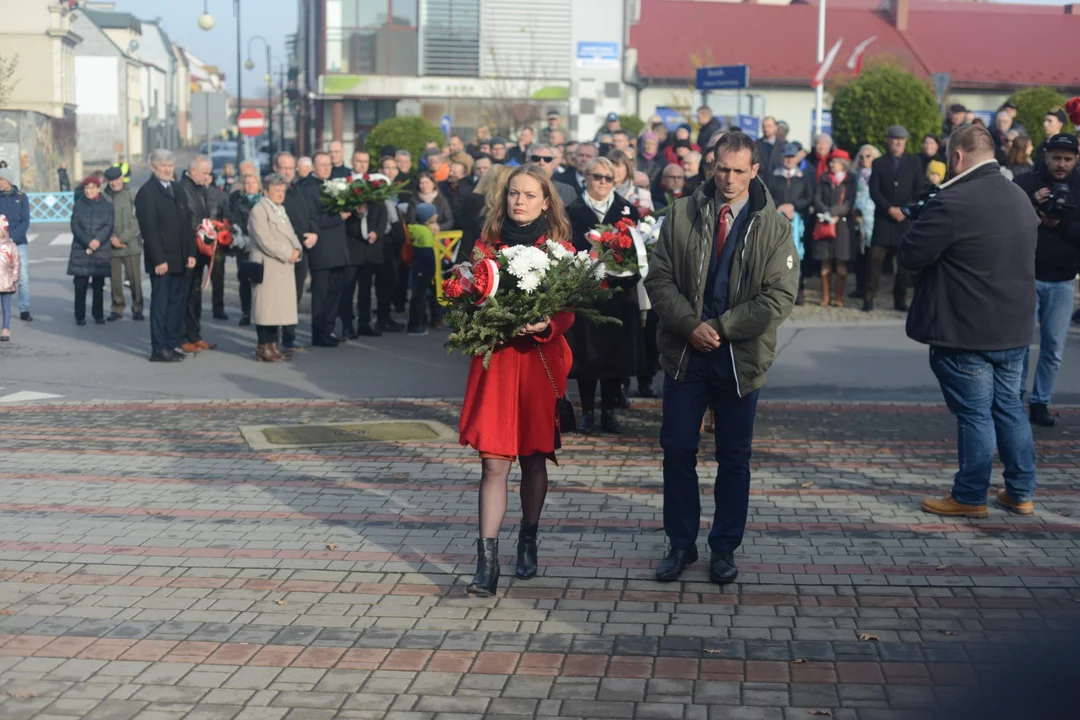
<point x="854" y="62"/>
<point x="823" y="69"/>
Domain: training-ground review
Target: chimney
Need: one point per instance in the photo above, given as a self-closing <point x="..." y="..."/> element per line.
<point x="898" y="13"/>
<point x="1070" y="9"/>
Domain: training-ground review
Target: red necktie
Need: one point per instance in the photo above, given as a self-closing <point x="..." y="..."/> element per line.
<point x="721" y="231"/>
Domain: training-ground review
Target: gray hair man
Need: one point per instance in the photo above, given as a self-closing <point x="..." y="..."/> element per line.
<point x="169" y="253"/>
<point x="546" y="157"/>
<point x="200" y="207"/>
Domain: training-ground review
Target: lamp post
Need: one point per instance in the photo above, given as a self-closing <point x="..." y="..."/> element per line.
<point x="206" y="22"/>
<point x="250" y="65"/>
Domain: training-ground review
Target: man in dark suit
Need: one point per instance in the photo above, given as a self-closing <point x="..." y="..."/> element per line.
<point x="302" y="218"/>
<point x="169" y="252"/>
<point x="895" y="180"/>
<point x="455" y="188"/>
<point x="200" y="206"/>
<point x="328" y="259"/>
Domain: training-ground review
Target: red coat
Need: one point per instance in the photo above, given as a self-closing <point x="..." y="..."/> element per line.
<point x="509" y="409"/>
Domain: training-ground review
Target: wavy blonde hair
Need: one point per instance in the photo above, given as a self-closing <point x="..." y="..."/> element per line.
<point x="558" y="223"/>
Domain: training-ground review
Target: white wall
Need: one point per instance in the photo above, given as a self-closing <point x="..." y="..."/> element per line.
<point x="96" y="91"/>
<point x="595" y="21"/>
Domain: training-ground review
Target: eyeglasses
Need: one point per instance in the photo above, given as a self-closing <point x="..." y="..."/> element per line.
<point x="542" y="158"/>
<point x="597" y="177"/>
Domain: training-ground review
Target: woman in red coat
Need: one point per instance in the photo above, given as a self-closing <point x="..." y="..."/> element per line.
<point x="509" y="409"/>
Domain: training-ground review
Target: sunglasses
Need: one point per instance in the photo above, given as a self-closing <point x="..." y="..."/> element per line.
<point x="542" y="158"/>
<point x="597" y="177"/>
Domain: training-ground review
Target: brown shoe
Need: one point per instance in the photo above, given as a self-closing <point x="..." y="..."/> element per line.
<point x="948" y="507"/>
<point x="191" y="348"/>
<point x="203" y="345"/>
<point x="265" y="353"/>
<point x="1018" y="508"/>
<point x="277" y="351"/>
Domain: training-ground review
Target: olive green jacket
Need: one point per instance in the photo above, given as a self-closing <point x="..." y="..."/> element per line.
<point x="125" y="226"/>
<point x="764" y="282"/>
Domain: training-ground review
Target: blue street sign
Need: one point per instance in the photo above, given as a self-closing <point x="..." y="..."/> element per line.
<point x="826" y="120"/>
<point x="446" y="124"/>
<point x="671" y="118"/>
<point x="750" y="125"/>
<point x="723" y="77"/>
<point x="598" y="54"/>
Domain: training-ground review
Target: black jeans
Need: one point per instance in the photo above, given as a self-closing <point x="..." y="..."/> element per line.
<point x="166" y="310"/>
<point x="878" y="257"/>
<point x="266" y="334"/>
<point x="97" y="284"/>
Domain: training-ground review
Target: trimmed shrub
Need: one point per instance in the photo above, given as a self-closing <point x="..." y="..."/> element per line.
<point x="884" y="94"/>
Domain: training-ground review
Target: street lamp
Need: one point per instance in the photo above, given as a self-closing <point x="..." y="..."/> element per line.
<point x="206" y="22"/>
<point x="250" y="65"/>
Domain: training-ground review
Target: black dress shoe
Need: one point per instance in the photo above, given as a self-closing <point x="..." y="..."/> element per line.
<point x="220" y="315"/>
<point x="609" y="423"/>
<point x="1040" y="415"/>
<point x="646" y="390"/>
<point x="80" y="322"/>
<point x="900" y="306"/>
<point x="25" y="316"/>
<point x="99" y="321"/>
<point x="245" y="320"/>
<point x="623" y="401"/>
<point x="138" y="316"/>
<point x="587" y="423"/>
<point x="672" y="566"/>
<point x="867" y="305"/>
<point x="722" y="569"/>
<point x="328" y="341"/>
<point x="350" y="333"/>
<point x="390" y="327"/>
<point x="177" y="357"/>
<point x="368" y="331"/>
<point x="161" y="357"/>
<point x="113" y="317"/>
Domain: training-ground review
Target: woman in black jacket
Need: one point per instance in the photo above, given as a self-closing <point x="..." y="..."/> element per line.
<point x="604" y="354"/>
<point x="834" y="198"/>
<point x="241" y="201"/>
<point x="91" y="251"/>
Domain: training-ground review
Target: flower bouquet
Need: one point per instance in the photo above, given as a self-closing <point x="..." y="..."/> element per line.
<point x="213" y="235"/>
<point x="502" y="290"/>
<point x="647" y="232"/>
<point x="617" y="244"/>
<point x="347" y="194"/>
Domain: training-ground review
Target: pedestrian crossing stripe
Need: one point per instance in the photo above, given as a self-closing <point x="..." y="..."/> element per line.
<point x="26" y="396"/>
<point x="31" y="237"/>
<point x="62" y="239"/>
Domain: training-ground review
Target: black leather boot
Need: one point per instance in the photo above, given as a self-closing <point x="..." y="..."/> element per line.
<point x="609" y="423"/>
<point x="587" y="423"/>
<point x="486" y="580"/>
<point x="526" y="560"/>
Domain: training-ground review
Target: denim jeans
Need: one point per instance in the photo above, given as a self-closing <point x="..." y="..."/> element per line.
<point x="982" y="389"/>
<point x="1053" y="312"/>
<point x="24" y="279"/>
<point x="685" y="402"/>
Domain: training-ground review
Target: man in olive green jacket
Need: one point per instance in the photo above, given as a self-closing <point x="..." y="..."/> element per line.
<point x="722" y="278"/>
<point x="126" y="247"/>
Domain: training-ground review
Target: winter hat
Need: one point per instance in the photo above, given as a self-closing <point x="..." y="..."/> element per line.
<point x="938" y="167"/>
<point x="92" y="180"/>
<point x="113" y="173"/>
<point x="8" y="174"/>
<point x="424" y="213"/>
<point x="842" y="156"/>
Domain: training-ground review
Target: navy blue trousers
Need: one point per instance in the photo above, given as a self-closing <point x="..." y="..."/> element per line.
<point x="685" y="403"/>
<point x="166" y="310"/>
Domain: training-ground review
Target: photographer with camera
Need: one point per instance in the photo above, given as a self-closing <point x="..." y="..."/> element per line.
<point x="973" y="247"/>
<point x="1053" y="190"/>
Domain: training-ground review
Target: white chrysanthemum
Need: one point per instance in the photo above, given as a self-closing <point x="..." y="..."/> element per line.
<point x="600" y="271"/>
<point x="558" y="251"/>
<point x="582" y="258"/>
<point x="530" y="282"/>
<point x="527" y="260"/>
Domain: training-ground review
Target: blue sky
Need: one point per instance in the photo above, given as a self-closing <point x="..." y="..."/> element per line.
<point x="272" y="19"/>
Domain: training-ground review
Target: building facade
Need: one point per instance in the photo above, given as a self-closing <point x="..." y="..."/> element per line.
<point x="482" y="62"/>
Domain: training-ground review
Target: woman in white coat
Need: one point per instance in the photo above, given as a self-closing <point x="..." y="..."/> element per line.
<point x="274" y="246"/>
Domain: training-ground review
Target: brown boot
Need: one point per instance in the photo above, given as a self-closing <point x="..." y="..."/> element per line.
<point x="265" y="353"/>
<point x="1015" y="506"/>
<point x="284" y="355"/>
<point x="825" y="288"/>
<point x="838" y="288"/>
<point x="948" y="507"/>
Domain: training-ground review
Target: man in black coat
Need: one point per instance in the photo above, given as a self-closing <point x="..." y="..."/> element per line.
<point x="973" y="247"/>
<point x="169" y="252"/>
<point x="328" y="259"/>
<point x="710" y="125"/>
<point x="200" y="206"/>
<point x="769" y="146"/>
<point x="895" y="180"/>
<point x="302" y="218"/>
<point x="455" y="189"/>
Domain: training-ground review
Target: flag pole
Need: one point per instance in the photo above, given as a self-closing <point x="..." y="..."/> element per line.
<point x="819" y="91"/>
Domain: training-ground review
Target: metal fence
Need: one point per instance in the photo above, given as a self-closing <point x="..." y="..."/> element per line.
<point x="51" y="206"/>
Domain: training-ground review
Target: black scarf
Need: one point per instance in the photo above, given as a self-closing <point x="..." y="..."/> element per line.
<point x="514" y="234"/>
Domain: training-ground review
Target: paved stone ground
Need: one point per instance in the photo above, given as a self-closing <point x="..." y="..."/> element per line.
<point x="153" y="567"/>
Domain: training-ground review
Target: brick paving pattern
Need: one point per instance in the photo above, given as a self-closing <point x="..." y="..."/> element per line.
<point x="152" y="566"/>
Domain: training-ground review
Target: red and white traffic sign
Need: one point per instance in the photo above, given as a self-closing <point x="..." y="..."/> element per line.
<point x="251" y="123"/>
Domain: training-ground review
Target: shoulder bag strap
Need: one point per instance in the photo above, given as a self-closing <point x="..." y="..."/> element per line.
<point x="551" y="379"/>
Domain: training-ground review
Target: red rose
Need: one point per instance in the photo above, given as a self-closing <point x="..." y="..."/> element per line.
<point x="452" y="288"/>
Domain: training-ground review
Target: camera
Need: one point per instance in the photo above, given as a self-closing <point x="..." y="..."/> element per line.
<point x="1060" y="202"/>
<point x="914" y="209"/>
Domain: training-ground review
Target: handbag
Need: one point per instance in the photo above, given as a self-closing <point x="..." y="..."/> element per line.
<point x="827" y="231"/>
<point x="564" y="409"/>
<point x="250" y="271"/>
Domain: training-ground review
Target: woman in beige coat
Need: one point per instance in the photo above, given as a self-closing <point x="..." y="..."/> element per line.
<point x="275" y="247"/>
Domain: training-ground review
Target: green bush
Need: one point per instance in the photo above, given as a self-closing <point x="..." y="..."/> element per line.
<point x="404" y="133"/>
<point x="630" y="123"/>
<point x="884" y="94"/>
<point x="1031" y="107"/>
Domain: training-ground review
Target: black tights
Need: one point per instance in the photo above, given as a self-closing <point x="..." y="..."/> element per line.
<point x="493" y="492"/>
<point x="610" y="388"/>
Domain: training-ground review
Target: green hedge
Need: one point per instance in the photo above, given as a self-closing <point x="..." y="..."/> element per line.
<point x="630" y="123"/>
<point x="1032" y="106"/>
<point x="404" y="133"/>
<point x="884" y="94"/>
